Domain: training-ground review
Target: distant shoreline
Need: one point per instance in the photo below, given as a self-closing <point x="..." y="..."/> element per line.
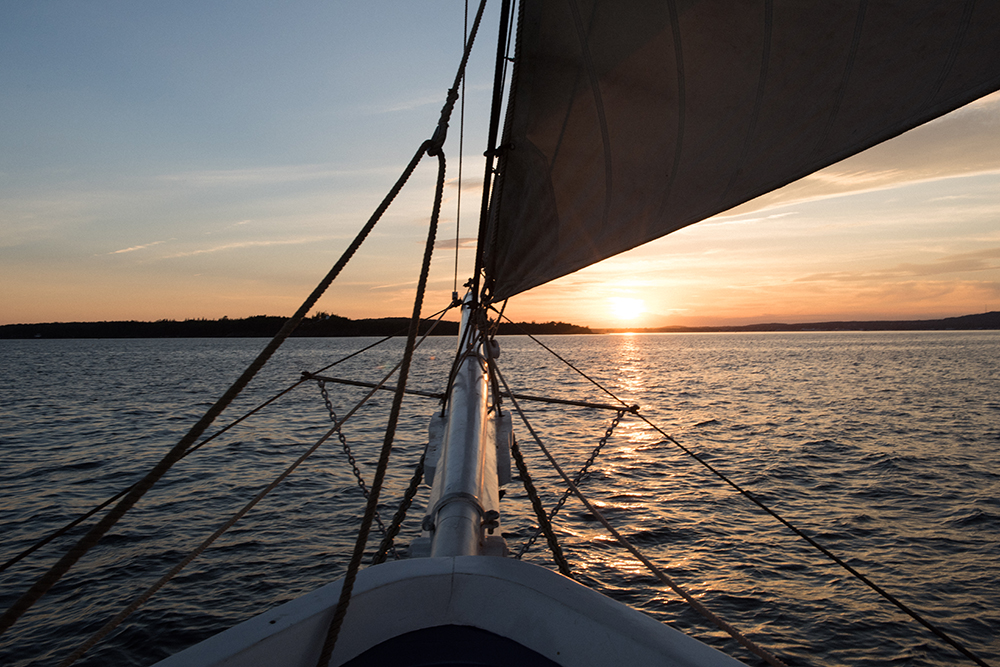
<point x="981" y="321"/>
<point x="261" y="326"/>
<point x="328" y="326"/>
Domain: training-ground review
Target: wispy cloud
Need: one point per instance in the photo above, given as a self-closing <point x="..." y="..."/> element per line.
<point x="740" y="220"/>
<point x="410" y="283"/>
<point x="135" y="247"/>
<point x="264" y="175"/>
<point x="853" y="179"/>
<point x="404" y="105"/>
<point x="247" y="244"/>
<point x="472" y="182"/>
<point x="979" y="260"/>
<point x="449" y="244"/>
<point x="435" y="98"/>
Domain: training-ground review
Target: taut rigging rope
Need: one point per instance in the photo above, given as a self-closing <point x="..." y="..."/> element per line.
<point x="536" y="504"/>
<point x="93" y="536"/>
<point x="697" y="606"/>
<point x="941" y="634"/>
<point x="347" y="587"/>
<point x="461" y="155"/>
<point x="306" y="376"/>
<point x="149" y="592"/>
<point x="576" y="479"/>
<point x="404" y="506"/>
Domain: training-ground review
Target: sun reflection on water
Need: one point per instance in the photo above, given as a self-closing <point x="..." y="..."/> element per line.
<point x="883" y="444"/>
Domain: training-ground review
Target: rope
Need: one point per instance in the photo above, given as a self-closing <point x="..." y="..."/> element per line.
<point x="358" y="383"/>
<point x="566" y="401"/>
<point x="358" y="477"/>
<point x="495" y="324"/>
<point x="697" y="606"/>
<point x="400" y="516"/>
<point x="117" y="620"/>
<point x="565" y="361"/>
<point x="55" y="573"/>
<point x="577" y="479"/>
<point x="83" y="517"/>
<point x="499" y="72"/>
<point x="383" y="462"/>
<point x="941" y="634"/>
<point x="461" y="155"/>
<point x="543" y="520"/>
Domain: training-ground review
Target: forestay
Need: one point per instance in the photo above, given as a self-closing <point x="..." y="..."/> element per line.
<point x="630" y="120"/>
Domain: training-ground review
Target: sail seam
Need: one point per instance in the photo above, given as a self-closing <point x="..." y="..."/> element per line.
<point x="956" y="46"/>
<point x="759" y="101"/>
<point x="845" y="78"/>
<point x="595" y="87"/>
<point x="675" y="28"/>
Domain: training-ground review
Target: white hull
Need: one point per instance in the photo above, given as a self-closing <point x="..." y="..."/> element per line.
<point x="537" y="608"/>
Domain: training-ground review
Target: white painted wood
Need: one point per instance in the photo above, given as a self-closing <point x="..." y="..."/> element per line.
<point x="536" y="607"/>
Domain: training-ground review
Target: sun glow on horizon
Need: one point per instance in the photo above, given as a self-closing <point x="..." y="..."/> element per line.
<point x="626" y="308"/>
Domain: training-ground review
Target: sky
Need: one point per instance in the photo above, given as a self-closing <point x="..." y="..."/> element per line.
<point x="205" y="159"/>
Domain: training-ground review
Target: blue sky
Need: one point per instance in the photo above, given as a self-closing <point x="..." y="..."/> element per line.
<point x="201" y="159"/>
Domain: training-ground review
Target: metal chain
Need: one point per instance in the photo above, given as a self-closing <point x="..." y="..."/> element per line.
<point x="536" y="505"/>
<point x="397" y="519"/>
<point x="576" y="479"/>
<point x="352" y="461"/>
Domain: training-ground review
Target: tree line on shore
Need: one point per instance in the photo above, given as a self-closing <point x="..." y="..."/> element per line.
<point x="262" y="326"/>
<point x="326" y="325"/>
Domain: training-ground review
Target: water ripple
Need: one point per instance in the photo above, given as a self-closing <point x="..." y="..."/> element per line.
<point x="881" y="445"/>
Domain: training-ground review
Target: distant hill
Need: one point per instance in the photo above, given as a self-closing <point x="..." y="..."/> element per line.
<point x="323" y="325"/>
<point x="259" y="326"/>
<point x="989" y="320"/>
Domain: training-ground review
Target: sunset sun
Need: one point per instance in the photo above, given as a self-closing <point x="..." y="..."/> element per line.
<point x="623" y="308"/>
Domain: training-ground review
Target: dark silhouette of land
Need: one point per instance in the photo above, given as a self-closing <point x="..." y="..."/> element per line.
<point x="324" y="325"/>
<point x="989" y="320"/>
<point x="261" y="326"/>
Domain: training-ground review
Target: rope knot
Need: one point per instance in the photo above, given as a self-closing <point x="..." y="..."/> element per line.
<point x="441" y="132"/>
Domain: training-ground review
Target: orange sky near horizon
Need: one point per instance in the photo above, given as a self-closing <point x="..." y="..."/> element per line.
<point x="172" y="189"/>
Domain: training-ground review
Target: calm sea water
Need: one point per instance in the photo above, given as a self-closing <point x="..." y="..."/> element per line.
<point x="883" y="446"/>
